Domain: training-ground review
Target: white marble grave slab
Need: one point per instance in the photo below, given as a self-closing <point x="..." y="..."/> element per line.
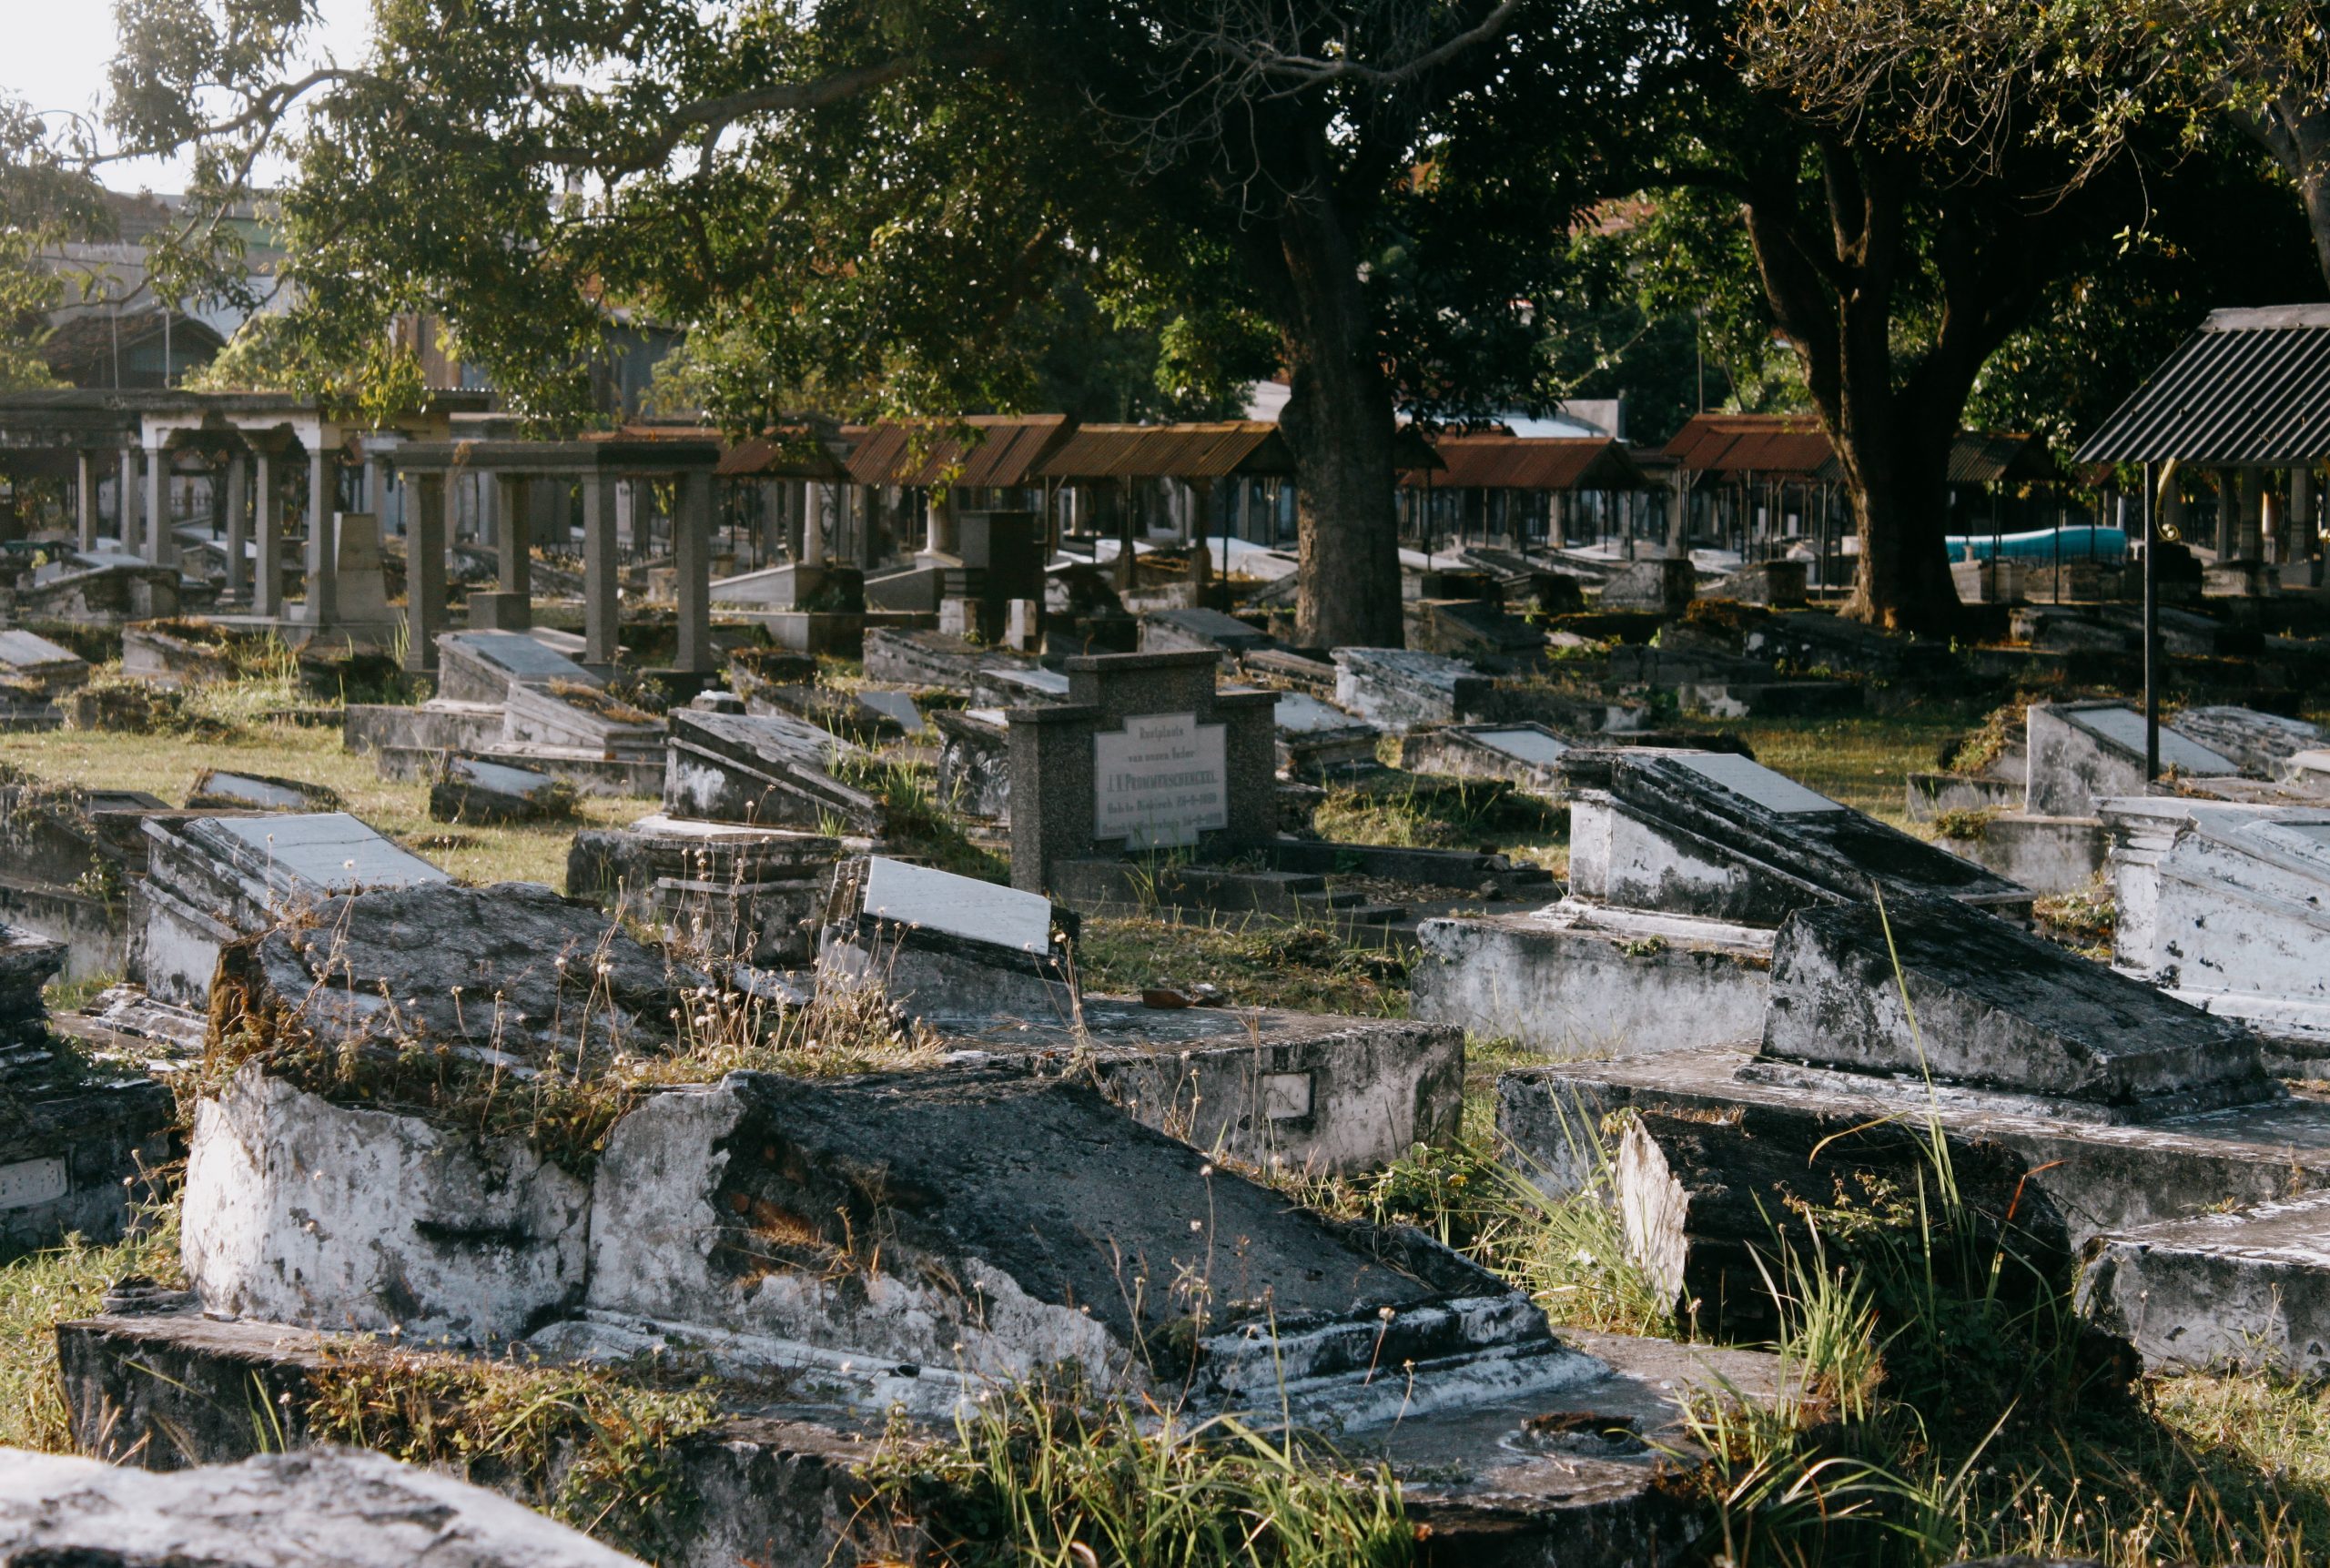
<point x="1529" y="745"/>
<point x="30" y="1181"/>
<point x="329" y="850"/>
<point x="2126" y="727"/>
<point x="958" y="906"/>
<point x="1160" y="780"/>
<point x="1753" y="781"/>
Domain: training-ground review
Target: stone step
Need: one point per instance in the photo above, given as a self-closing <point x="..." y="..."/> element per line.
<point x="2249" y="1288"/>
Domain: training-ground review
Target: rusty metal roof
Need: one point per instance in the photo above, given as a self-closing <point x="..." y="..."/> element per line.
<point x="1777" y="445"/>
<point x="2250" y="387"/>
<point x="1533" y="462"/>
<point x="1002" y="450"/>
<point x="795" y="451"/>
<point x="1169" y="451"/>
<point x="2000" y="456"/>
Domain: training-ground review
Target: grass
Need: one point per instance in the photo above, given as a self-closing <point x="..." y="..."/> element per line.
<point x="44" y="1288"/>
<point x="1859" y="760"/>
<point x="1303" y="967"/>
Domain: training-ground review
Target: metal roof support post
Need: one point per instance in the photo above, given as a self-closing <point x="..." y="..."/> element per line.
<point x="2151" y="637"/>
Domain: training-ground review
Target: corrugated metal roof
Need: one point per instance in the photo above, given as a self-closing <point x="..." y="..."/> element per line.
<point x="794" y="452"/>
<point x="1169" y="451"/>
<point x="1004" y="451"/>
<point x="2250" y="387"/>
<point x="1532" y="463"/>
<point x="1778" y="445"/>
<point x="2000" y="456"/>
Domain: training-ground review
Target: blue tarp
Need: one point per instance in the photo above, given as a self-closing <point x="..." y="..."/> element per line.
<point x="2082" y="543"/>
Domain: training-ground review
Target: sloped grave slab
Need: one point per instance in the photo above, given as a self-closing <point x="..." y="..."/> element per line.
<point x="765" y="770"/>
<point x="217" y="789"/>
<point x="572" y="715"/>
<point x="1522" y="754"/>
<point x="470" y="789"/>
<point x="483" y="666"/>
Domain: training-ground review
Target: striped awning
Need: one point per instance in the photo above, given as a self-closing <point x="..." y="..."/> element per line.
<point x="2251" y="387"/>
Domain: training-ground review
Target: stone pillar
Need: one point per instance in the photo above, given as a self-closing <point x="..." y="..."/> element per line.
<point x="267" y="522"/>
<point x="124" y="522"/>
<point x="161" y="545"/>
<point x="424" y="566"/>
<point x="933" y="529"/>
<point x="691" y="561"/>
<point x="323" y="581"/>
<point x="84" y="499"/>
<point x="514" y="549"/>
<point x="238" y="571"/>
<point x="489" y="510"/>
<point x="812" y="533"/>
<point x="601" y="573"/>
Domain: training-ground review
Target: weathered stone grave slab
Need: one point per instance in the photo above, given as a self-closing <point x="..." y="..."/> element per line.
<point x="1523" y="754"/>
<point x="1664" y="586"/>
<point x="1397" y="689"/>
<point x="483" y="667"/>
<point x="940" y="659"/>
<point x="101" y="589"/>
<point x="1012" y="687"/>
<point x="1996" y="1008"/>
<point x="216" y="789"/>
<point x="2257" y="742"/>
<point x="67" y="857"/>
<point x="937" y="942"/>
<point x="2081" y="752"/>
<point x="2243" y="1288"/>
<point x="346" y="1506"/>
<point x="26" y="656"/>
<point x="76" y="1135"/>
<point x="974" y="761"/>
<point x="469" y="789"/>
<point x="1177" y="631"/>
<point x="1472" y="628"/>
<point x="211" y="879"/>
<point x="1317" y="739"/>
<point x="565" y="715"/>
<point x="1716" y="834"/>
<point x="1777" y="583"/>
<point x="723" y="889"/>
<point x="768" y="770"/>
<point x="2223" y="906"/>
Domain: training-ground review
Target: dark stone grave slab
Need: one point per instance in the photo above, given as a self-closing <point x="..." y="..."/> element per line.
<point x="2081" y="752"/>
<point x="1318" y="740"/>
<point x="470" y="789"/>
<point x="768" y="770"/>
<point x="1527" y="755"/>
<point x="217" y="789"/>
<point x="483" y="666"/>
<point x="1179" y="631"/>
<point x="974" y="761"/>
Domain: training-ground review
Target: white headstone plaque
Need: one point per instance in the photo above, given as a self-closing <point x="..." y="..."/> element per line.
<point x="31" y="1181"/>
<point x="1775" y="793"/>
<point x="1528" y="745"/>
<point x="1159" y="782"/>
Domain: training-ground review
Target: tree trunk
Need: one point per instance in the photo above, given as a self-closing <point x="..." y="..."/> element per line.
<point x="1901" y="503"/>
<point x="1339" y="423"/>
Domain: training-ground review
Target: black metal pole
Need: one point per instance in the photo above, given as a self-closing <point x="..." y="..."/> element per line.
<point x="2151" y="635"/>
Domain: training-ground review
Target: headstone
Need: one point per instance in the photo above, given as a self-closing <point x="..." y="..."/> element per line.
<point x="1715" y="835"/>
<point x="483" y="666"/>
<point x="1144" y="754"/>
<point x="1525" y="755"/>
<point x="2081" y="752"/>
<point x="1318" y="740"/>
<point x="360" y="595"/>
<point x="939" y="945"/>
<point x="501" y="610"/>
<point x="899" y="707"/>
<point x="724" y="890"/>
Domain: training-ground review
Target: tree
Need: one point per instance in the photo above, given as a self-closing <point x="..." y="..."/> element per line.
<point x="1908" y="209"/>
<point x="868" y="193"/>
<point x="43" y="199"/>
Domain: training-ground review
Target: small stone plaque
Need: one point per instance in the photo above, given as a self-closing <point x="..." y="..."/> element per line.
<point x="1754" y="782"/>
<point x="2126" y="727"/>
<point x="1159" y="782"/>
<point x="31" y="1181"/>
<point x="1529" y="745"/>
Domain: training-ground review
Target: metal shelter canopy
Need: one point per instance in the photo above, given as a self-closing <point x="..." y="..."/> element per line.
<point x="1186" y="451"/>
<point x="2250" y="388"/>
<point x="979" y="451"/>
<point x="1533" y="462"/>
<point x="598" y="462"/>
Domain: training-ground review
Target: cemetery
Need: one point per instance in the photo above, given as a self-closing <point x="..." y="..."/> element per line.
<point x="776" y="795"/>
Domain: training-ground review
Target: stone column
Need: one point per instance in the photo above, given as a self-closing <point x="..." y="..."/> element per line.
<point x="514" y="550"/>
<point x="933" y="529"/>
<point x="237" y="527"/>
<point x="601" y="573"/>
<point x="424" y="566"/>
<point x="813" y="533"/>
<point x="161" y="545"/>
<point x="691" y="559"/>
<point x="84" y="499"/>
<point x="267" y="522"/>
<point x="322" y="556"/>
<point x="125" y="523"/>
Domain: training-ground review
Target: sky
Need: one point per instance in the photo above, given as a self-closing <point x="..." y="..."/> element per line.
<point x="56" y="55"/>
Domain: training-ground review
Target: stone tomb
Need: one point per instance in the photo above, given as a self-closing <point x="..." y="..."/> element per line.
<point x="832" y="1251"/>
<point x="211" y="879"/>
<point x="483" y="666"/>
<point x="724" y="889"/>
<point x="1179" y="631"/>
<point x="1145" y="755"/>
<point x="1526" y="756"/>
<point x="1682" y="865"/>
<point x="2113" y="1122"/>
<point x="1398" y="689"/>
<point x="765" y="770"/>
<point x="68" y="859"/>
<point x="27" y="657"/>
<point x="1318" y="740"/>
<point x="471" y="790"/>
<point x="74" y="1131"/>
<point x="2224" y="906"/>
<point x="2081" y="752"/>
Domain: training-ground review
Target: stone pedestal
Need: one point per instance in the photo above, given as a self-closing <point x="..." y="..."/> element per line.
<point x="501" y="610"/>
